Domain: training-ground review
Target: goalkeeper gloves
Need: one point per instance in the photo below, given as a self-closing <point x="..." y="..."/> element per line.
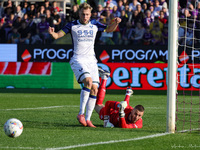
<point x="122" y="105"/>
<point x="107" y="123"/>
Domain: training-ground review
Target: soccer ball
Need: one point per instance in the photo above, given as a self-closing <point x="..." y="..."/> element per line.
<point x="13" y="127"/>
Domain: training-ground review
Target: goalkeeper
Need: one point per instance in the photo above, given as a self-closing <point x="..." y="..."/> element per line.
<point x="117" y="114"/>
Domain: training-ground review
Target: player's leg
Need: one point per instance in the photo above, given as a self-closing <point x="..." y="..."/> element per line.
<point x="107" y="108"/>
<point x="93" y="69"/>
<point x="91" y="104"/>
<point x="85" y="92"/>
<point x="82" y="76"/>
<point x="104" y="74"/>
<point x="102" y="89"/>
<point x="129" y="92"/>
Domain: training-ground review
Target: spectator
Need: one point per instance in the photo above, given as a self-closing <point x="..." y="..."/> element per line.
<point x="137" y="34"/>
<point x="134" y="18"/>
<point x="151" y="3"/>
<point x="15" y="36"/>
<point x="93" y="4"/>
<point x="133" y="5"/>
<point x="156" y="22"/>
<point x="49" y="18"/>
<point x="128" y="12"/>
<point x="106" y="38"/>
<point x="147" y="37"/>
<point x="123" y="23"/>
<point x="111" y="3"/>
<point x="197" y="31"/>
<point x="2" y="33"/>
<point x="157" y="6"/>
<point x="125" y="2"/>
<point x="25" y="18"/>
<point x="142" y="1"/>
<point x="37" y="18"/>
<point x="1" y="11"/>
<point x="47" y="5"/>
<point x="181" y="34"/>
<point x="107" y="7"/>
<point x="54" y="6"/>
<point x="25" y="8"/>
<point x="165" y="35"/>
<point x="9" y="25"/>
<point x="162" y="18"/>
<point x="126" y="34"/>
<point x="120" y="5"/>
<point x="56" y="20"/>
<point x="42" y="30"/>
<point x="157" y="35"/>
<point x="166" y="12"/>
<point x="115" y="12"/>
<point x="19" y="12"/>
<point x="24" y="33"/>
<point x="99" y="12"/>
<point x="144" y="7"/>
<point x="17" y="22"/>
<point x="22" y="3"/>
<point x="192" y="10"/>
<point x="74" y="13"/>
<point x="141" y="15"/>
<point x="187" y="13"/>
<point x="163" y="3"/>
<point x="32" y="26"/>
<point x="32" y="11"/>
<point x="9" y="8"/>
<point x="42" y="10"/>
<point x="190" y="34"/>
<point x="153" y="13"/>
<point x="35" y="38"/>
<point x="148" y="19"/>
<point x="198" y="6"/>
<point x="94" y="15"/>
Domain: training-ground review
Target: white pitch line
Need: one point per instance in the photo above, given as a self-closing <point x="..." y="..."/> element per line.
<point x="109" y="142"/>
<point x="18" y="148"/>
<point x="50" y="107"/>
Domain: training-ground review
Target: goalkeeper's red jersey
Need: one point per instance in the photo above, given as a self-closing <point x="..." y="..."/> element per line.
<point x="121" y="122"/>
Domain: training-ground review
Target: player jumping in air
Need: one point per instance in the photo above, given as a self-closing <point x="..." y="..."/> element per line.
<point x="117" y="114"/>
<point x="83" y="62"/>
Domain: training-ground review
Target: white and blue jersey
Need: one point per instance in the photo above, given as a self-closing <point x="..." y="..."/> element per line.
<point x="83" y="62"/>
<point x="83" y="36"/>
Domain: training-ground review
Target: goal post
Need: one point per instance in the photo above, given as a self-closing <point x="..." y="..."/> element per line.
<point x="172" y="65"/>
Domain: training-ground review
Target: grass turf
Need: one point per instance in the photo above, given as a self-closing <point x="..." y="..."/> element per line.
<point x="47" y="126"/>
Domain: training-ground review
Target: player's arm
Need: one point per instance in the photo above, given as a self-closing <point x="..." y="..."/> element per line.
<point x="55" y="35"/>
<point x="123" y="124"/>
<point x="114" y="25"/>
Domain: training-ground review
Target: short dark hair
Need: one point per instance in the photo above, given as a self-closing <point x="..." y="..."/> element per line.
<point x="139" y="107"/>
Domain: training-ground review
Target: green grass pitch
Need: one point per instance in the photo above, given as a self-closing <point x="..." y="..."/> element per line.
<point x="49" y="120"/>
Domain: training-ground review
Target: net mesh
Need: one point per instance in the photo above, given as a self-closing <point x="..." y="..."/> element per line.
<point x="188" y="63"/>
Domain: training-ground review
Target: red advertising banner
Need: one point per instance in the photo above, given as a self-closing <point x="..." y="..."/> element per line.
<point x="25" y="68"/>
<point x="150" y="76"/>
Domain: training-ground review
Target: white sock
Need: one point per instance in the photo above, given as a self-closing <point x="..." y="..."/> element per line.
<point x="90" y="107"/>
<point x="85" y="92"/>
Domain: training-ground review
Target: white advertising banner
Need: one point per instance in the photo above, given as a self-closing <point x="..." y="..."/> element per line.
<point x="8" y="52"/>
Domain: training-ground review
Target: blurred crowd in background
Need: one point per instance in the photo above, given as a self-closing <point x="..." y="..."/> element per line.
<point x="143" y="21"/>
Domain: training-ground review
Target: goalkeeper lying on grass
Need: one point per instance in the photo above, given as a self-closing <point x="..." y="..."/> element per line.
<point x="117" y="114"/>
